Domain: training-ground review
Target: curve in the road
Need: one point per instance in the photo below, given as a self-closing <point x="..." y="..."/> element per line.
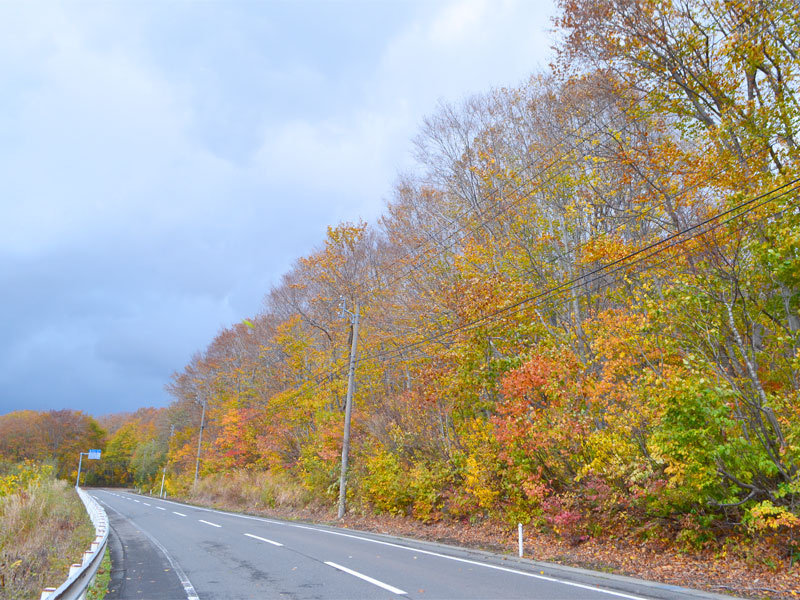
<point x="228" y="558"/>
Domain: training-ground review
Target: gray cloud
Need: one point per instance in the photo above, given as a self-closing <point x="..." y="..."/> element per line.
<point x="162" y="164"/>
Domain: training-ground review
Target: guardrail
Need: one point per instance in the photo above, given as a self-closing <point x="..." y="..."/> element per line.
<point x="81" y="575"/>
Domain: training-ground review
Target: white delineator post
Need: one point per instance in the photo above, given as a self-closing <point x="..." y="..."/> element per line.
<point x="519" y="535"/>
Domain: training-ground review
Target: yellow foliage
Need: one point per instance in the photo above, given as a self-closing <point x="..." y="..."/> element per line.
<point x="476" y="482"/>
<point x="612" y="453"/>
<point x="9" y="484"/>
<point x="766" y="516"/>
<point x="480" y="467"/>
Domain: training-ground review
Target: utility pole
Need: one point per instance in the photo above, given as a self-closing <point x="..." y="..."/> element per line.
<point x="164" y="476"/>
<point x="200" y="440"/>
<point x="348" y="406"/>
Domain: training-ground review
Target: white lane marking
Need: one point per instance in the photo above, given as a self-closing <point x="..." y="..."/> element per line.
<point x="256" y="537"/>
<point x="209" y="523"/>
<point x="179" y="514"/>
<point x="477" y="563"/>
<point x="145" y="503"/>
<point x="188" y="588"/>
<point x="428" y="552"/>
<point x="137" y="501"/>
<point x="160" y="508"/>
<point x="380" y="584"/>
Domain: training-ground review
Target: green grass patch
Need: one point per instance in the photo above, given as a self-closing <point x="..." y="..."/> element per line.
<point x="99" y="588"/>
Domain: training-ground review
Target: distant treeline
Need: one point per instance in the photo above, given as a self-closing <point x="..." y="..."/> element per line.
<point x="54" y="437"/>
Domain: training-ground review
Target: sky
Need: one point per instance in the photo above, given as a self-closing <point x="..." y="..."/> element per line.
<point x="164" y="162"/>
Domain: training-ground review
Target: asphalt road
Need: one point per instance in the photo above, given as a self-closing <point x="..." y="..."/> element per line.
<point x="171" y="550"/>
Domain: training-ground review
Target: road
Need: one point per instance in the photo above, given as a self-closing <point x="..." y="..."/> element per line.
<point x="181" y="551"/>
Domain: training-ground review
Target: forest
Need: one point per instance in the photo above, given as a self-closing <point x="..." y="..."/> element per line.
<point x="580" y="309"/>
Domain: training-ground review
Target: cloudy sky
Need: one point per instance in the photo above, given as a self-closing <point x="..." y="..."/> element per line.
<point x="162" y="163"/>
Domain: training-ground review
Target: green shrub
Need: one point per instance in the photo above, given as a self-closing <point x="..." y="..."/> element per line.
<point x="427" y="481"/>
<point x="384" y="486"/>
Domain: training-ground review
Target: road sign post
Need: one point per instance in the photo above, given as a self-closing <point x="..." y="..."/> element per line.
<point x="93" y="454"/>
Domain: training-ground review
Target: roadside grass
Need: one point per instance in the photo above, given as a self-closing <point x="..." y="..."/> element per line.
<point x="250" y="490"/>
<point x="99" y="588"/>
<point x="43" y="529"/>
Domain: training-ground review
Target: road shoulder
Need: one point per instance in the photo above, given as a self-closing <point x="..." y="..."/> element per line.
<point x="138" y="568"/>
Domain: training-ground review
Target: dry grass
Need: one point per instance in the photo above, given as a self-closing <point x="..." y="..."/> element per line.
<point x="249" y="490"/>
<point x="43" y="529"/>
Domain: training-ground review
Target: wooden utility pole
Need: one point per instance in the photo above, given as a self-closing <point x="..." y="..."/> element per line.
<point x="200" y="440"/>
<point x="348" y="408"/>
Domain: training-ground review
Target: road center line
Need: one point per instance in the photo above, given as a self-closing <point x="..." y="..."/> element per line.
<point x="191" y="593"/>
<point x="209" y="523"/>
<point x="179" y="514"/>
<point x="160" y="508"/>
<point x="256" y="537"/>
<point x="146" y="504"/>
<point x="367" y="578"/>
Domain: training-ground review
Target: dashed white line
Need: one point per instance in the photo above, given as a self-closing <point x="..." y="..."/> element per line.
<point x="380" y="584"/>
<point x="177" y="513"/>
<point x="256" y="537"/>
<point x="160" y="508"/>
<point x="188" y="588"/>
<point x="146" y="503"/>
<point x="427" y="552"/>
<point x="209" y="523"/>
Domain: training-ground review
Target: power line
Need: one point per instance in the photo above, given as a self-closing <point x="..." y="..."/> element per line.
<point x="546" y="168"/>
<point x="492" y="216"/>
<point x="522" y="197"/>
<point x="646" y="252"/>
<point x="625" y="262"/>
